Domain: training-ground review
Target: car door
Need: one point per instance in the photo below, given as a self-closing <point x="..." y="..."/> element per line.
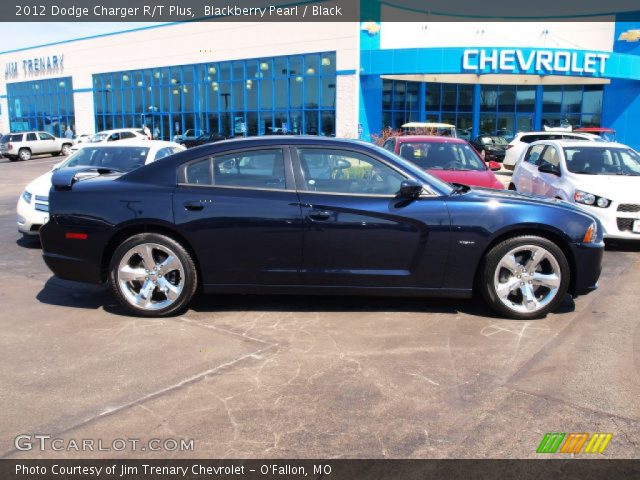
<point x="526" y="173"/>
<point x="32" y="142"/>
<point x="546" y="183"/>
<point x="357" y="231"/>
<point x="242" y="215"/>
<point x="46" y="144"/>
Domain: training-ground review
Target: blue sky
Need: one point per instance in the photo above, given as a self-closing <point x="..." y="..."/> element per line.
<point x="27" y="34"/>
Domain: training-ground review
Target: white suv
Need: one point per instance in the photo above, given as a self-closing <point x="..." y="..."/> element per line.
<point x="523" y="139"/>
<point x="21" y="146"/>
<point x="601" y="177"/>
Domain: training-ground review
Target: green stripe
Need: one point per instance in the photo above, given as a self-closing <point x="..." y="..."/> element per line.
<point x="550" y="443"/>
<point x="543" y="443"/>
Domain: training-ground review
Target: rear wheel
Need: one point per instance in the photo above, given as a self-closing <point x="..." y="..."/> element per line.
<point x="525" y="277"/>
<point x="152" y="275"/>
<point x="512" y="187"/>
<point x="24" y="154"/>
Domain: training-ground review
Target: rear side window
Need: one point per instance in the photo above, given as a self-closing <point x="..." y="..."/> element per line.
<point x="31" y="137"/>
<point x="574" y="137"/>
<point x="533" y="155"/>
<point x="259" y="169"/>
<point x="125" y="135"/>
<point x="529" y="138"/>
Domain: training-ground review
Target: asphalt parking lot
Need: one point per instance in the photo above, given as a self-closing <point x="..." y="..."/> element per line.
<point x="310" y="377"/>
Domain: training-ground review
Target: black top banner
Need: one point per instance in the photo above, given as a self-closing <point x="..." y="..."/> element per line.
<point x="309" y="10"/>
<point x="283" y="469"/>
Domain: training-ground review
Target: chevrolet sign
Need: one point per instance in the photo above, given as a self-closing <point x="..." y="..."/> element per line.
<point x="541" y="62"/>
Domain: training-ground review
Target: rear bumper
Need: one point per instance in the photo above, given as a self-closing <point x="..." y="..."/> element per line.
<point x="588" y="266"/>
<point x="70" y="259"/>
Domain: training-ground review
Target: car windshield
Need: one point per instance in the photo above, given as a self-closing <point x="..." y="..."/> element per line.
<point x="123" y="158"/>
<point x="602" y="160"/>
<point x="442" y="156"/>
<point x="98" y="137"/>
<point x="439" y="185"/>
<point x="488" y="140"/>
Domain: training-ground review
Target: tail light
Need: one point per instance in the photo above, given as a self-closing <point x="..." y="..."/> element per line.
<point x="9" y="146"/>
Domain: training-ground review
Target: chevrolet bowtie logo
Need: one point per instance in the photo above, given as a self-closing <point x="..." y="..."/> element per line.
<point x="573" y="442"/>
<point x="630" y="36"/>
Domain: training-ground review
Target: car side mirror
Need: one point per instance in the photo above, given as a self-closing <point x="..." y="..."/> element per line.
<point x="494" y="166"/>
<point x="549" y="169"/>
<point x="410" y="189"/>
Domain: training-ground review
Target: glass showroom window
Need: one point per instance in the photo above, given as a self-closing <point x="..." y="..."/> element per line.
<point x="506" y="109"/>
<point x="41" y="105"/>
<point x="575" y="105"/>
<point x="449" y="103"/>
<point x="271" y="96"/>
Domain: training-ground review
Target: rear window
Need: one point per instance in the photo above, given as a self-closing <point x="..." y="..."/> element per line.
<point x="16" y="137"/>
<point x="124" y="159"/>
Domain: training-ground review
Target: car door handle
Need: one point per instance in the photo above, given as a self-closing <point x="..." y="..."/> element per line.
<point x="319" y="215"/>
<point x="194" y="206"/>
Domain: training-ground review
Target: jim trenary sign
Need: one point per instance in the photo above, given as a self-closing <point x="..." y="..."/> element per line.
<point x="533" y="61"/>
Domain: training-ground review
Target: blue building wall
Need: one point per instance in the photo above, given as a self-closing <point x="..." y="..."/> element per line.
<point x="622" y="96"/>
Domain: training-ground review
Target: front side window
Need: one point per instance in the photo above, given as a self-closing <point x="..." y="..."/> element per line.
<point x="341" y="171"/>
<point x="45" y="136"/>
<point x="550" y="159"/>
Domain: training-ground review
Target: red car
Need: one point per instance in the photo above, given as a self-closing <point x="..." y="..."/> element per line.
<point x="450" y="159"/>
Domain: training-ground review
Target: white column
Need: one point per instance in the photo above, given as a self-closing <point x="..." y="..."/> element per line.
<point x="347" y="106"/>
<point x="83" y="104"/>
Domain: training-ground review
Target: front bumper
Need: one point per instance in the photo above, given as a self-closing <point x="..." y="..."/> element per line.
<point x="588" y="266"/>
<point x="29" y="219"/>
<point x="616" y="224"/>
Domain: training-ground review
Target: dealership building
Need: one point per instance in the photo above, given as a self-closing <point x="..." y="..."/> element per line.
<point x="346" y="79"/>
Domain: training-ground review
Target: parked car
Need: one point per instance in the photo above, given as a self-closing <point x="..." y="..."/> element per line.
<point x="491" y="146"/>
<point x="113" y="136"/>
<point x="603" y="178"/>
<point x="250" y="215"/>
<point x="189" y="134"/>
<point x="450" y="159"/>
<point x="23" y="145"/>
<point x="430" y="128"/>
<point x="523" y="140"/>
<point x="82" y="138"/>
<point x="33" y="204"/>
<point x="203" y="140"/>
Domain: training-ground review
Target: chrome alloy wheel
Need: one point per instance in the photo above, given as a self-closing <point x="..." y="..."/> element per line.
<point x="151" y="276"/>
<point x="527" y="278"/>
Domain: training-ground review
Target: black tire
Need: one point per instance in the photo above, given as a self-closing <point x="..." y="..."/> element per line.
<point x="66" y="149"/>
<point x="190" y="274"/>
<point x="512" y="187"/>
<point x="55" y="154"/>
<point x="490" y="264"/>
<point x="13" y="159"/>
<point x="24" y="154"/>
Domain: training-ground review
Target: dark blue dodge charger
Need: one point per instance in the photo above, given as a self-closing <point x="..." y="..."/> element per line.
<point x="312" y="215"/>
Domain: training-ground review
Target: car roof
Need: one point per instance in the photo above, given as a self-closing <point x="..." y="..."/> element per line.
<point x="556" y="132"/>
<point x="429" y="138"/>
<point x="133" y="143"/>
<point x="580" y="143"/>
<point x="137" y="130"/>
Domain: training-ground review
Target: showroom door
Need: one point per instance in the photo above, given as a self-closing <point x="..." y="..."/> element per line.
<point x="357" y="232"/>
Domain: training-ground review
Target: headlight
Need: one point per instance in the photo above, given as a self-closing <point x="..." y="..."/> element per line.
<point x="26" y="196"/>
<point x="590" y="199"/>
<point x="591" y="234"/>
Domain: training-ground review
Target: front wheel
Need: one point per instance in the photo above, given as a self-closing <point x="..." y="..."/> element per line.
<point x="66" y="149"/>
<point x="152" y="275"/>
<point x="525" y="277"/>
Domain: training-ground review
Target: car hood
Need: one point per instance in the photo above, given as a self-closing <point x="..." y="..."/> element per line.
<point x="621" y="188"/>
<point x="478" y="178"/>
<point x="41" y="185"/>
<point x="510" y="196"/>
